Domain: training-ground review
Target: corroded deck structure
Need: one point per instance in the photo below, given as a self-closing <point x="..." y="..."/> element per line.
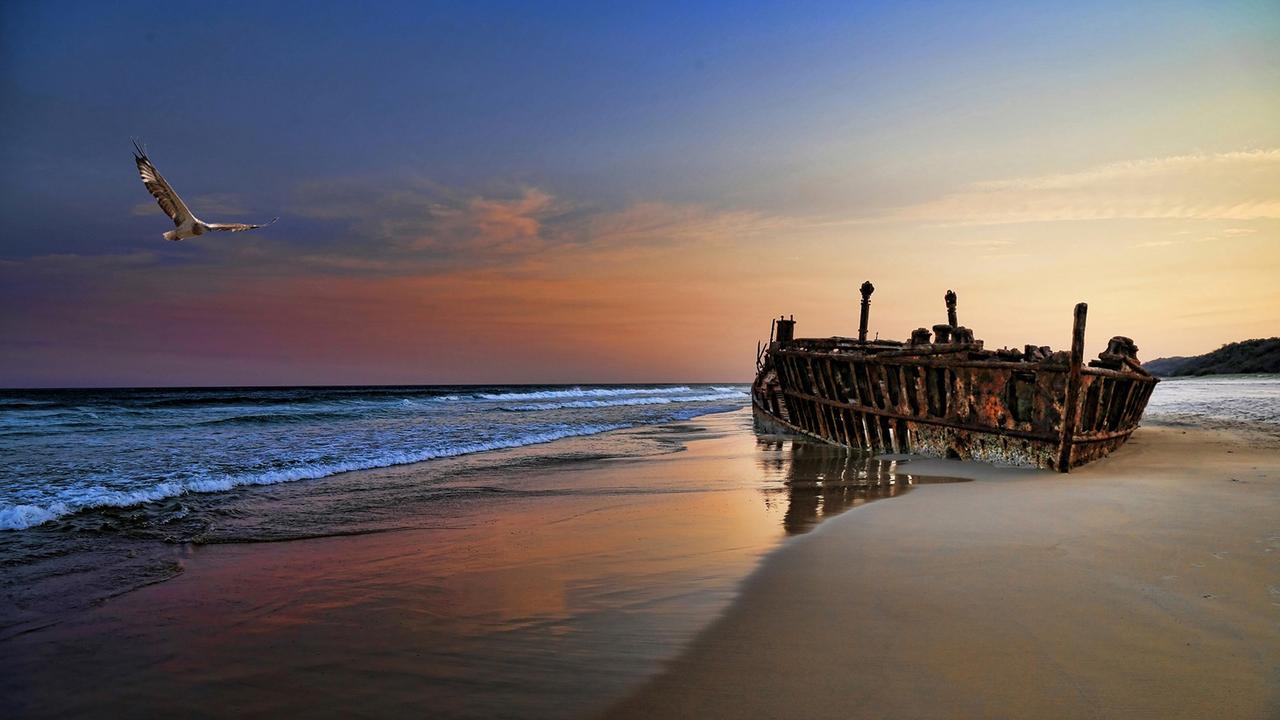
<point x="943" y="394"/>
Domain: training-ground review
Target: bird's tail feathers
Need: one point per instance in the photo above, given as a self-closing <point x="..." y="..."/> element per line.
<point x="172" y="235"/>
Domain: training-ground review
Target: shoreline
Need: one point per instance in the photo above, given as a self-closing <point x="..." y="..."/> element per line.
<point x="979" y="598"/>
<point x="1142" y="585"/>
<point x="550" y="598"/>
<point x="96" y="554"/>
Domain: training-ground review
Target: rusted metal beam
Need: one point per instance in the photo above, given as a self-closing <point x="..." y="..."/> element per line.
<point x="1094" y="437"/>
<point x="1104" y="372"/>
<point x="818" y="349"/>
<point x="1073" y="387"/>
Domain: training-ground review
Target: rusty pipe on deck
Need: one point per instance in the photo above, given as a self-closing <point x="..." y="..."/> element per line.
<point x="786" y="329"/>
<point x="950" y="297"/>
<point x="866" y="289"/>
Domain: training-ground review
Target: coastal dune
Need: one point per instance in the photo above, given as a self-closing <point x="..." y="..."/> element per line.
<point x="1146" y="585"/>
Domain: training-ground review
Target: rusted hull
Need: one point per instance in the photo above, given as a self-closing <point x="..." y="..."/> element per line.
<point x="941" y="393"/>
<point x="942" y="405"/>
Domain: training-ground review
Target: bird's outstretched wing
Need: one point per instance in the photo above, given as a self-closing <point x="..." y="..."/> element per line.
<point x="238" y="227"/>
<point x="169" y="201"/>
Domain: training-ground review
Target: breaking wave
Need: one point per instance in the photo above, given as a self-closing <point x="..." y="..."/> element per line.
<point x="69" y="451"/>
<point x="624" y="402"/>
<point x="20" y="517"/>
<point x="578" y="392"/>
<point x="294" y="417"/>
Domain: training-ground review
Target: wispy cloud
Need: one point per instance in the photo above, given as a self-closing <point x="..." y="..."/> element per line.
<point x="981" y="243"/>
<point x="1225" y="186"/>
<point x="209" y="205"/>
<point x="664" y="223"/>
<point x="1191" y="237"/>
<point x="429" y="220"/>
<point x="419" y="224"/>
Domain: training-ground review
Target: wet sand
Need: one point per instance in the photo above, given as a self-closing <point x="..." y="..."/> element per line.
<point x="1146" y="585"/>
<point x="549" y="600"/>
<point x="700" y="583"/>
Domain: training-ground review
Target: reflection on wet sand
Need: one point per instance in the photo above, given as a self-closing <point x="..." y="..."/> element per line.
<point x="531" y="590"/>
<point x="818" y="481"/>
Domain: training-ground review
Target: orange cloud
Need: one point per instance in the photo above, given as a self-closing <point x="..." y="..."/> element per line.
<point x="419" y="225"/>
<point x="502" y="221"/>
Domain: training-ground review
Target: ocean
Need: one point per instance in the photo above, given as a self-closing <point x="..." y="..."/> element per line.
<point x="72" y="451"/>
<point x="1248" y="402"/>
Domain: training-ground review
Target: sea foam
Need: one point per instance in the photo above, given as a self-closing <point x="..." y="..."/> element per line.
<point x="578" y="392"/>
<point x="19" y="517"/>
<point x="624" y="402"/>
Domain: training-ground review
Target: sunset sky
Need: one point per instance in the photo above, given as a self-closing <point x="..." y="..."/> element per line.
<point x="498" y="193"/>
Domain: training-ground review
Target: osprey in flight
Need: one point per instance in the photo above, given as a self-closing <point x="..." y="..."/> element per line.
<point x="188" y="224"/>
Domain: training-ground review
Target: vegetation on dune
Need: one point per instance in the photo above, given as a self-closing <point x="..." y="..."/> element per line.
<point x="1261" y="355"/>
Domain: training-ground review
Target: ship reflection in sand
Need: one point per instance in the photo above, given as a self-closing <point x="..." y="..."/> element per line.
<point x="819" y="481"/>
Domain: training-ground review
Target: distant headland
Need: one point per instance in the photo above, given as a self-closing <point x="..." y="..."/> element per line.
<point x="1261" y="355"/>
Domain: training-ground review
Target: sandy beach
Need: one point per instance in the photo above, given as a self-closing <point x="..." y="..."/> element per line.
<point x="1146" y="585"/>
<point x="716" y="581"/>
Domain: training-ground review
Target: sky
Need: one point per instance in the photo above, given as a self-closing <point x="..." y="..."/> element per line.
<point x="569" y="193"/>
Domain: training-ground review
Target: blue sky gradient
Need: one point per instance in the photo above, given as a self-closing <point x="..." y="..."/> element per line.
<point x="772" y="118"/>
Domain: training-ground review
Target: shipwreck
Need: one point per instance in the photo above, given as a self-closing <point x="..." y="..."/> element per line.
<point x="943" y="394"/>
